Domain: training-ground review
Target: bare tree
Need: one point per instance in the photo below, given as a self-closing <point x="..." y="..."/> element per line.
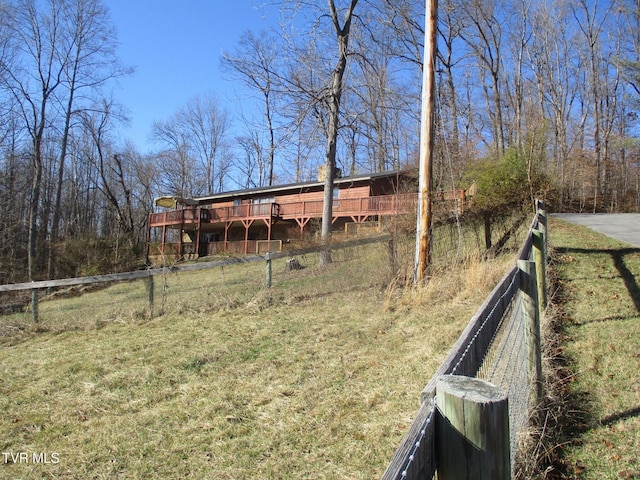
<point x="35" y="38"/>
<point x="110" y="167"/>
<point x="555" y="76"/>
<point x="206" y="125"/>
<point x="193" y="143"/>
<point x="14" y="200"/>
<point x="630" y="9"/>
<point x="180" y="174"/>
<point x="341" y="19"/>
<point x="342" y="30"/>
<point x="254" y="64"/>
<point x="482" y="32"/>
<point x="89" y="44"/>
<point x="519" y="37"/>
<point x="592" y="23"/>
<point x="125" y="179"/>
<point x="61" y="51"/>
<point x="384" y="104"/>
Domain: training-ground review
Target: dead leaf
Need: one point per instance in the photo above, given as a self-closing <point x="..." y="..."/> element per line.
<point x="628" y="474"/>
<point x="606" y="443"/>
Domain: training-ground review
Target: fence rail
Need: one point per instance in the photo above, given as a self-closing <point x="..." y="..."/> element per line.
<point x="501" y="345"/>
<point x="495" y="346"/>
<point x="148" y="274"/>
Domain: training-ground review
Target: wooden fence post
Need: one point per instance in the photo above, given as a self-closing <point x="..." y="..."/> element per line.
<point x="391" y="246"/>
<point x="34" y="304"/>
<point x="531" y="318"/>
<point x="540" y="259"/>
<point x="149" y="286"/>
<point x="542" y="222"/>
<point x="269" y="269"/>
<point x="472" y="430"/>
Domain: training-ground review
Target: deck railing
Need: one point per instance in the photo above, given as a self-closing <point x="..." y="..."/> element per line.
<point x="376" y="205"/>
<point x="190" y="215"/>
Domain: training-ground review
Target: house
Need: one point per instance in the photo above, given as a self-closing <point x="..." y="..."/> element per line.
<point x="264" y="219"/>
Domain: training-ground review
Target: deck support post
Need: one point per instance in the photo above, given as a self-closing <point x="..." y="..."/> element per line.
<point x="247" y="225"/>
<point x="164" y="238"/>
<point x="198" y="226"/>
<point x="227" y="225"/>
<point x="180" y="239"/>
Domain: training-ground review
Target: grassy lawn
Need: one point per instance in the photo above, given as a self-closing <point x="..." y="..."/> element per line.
<point x="319" y="377"/>
<point x="600" y="293"/>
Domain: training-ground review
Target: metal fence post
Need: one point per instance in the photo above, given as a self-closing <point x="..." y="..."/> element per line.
<point x="531" y="314"/>
<point x="472" y="430"/>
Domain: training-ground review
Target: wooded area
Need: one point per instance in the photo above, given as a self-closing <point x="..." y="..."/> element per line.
<point x="533" y="98"/>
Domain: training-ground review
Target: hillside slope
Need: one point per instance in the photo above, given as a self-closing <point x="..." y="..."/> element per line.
<point x="318" y="377"/>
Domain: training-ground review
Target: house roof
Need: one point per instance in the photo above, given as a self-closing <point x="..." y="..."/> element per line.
<point x="292" y="187"/>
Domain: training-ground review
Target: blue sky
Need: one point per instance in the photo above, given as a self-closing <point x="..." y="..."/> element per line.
<point x="175" y="47"/>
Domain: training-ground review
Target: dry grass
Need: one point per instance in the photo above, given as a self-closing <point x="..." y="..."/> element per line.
<point x="318" y="377"/>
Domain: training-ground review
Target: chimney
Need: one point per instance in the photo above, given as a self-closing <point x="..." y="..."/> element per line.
<point x="322" y="173"/>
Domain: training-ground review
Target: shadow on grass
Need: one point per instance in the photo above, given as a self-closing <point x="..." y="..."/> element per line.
<point x="566" y="412"/>
<point x="569" y="410"/>
<point x="617" y="255"/>
<point x="618" y="417"/>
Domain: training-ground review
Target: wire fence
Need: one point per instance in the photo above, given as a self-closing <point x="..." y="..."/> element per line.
<point x="492" y="347"/>
<point x="142" y="294"/>
<point x="496" y="346"/>
<point x="131" y="296"/>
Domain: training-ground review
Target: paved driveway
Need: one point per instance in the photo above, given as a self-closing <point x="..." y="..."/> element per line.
<point x="621" y="226"/>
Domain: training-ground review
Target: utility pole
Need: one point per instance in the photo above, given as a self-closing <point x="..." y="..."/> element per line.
<point x="427" y="143"/>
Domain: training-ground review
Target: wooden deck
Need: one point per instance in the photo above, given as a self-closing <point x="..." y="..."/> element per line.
<point x="199" y="219"/>
<point x="194" y="215"/>
<point x="359" y="209"/>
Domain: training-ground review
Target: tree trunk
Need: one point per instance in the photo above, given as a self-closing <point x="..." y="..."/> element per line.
<point x="335" y="96"/>
<point x="33" y="207"/>
<point x="53" y="238"/>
